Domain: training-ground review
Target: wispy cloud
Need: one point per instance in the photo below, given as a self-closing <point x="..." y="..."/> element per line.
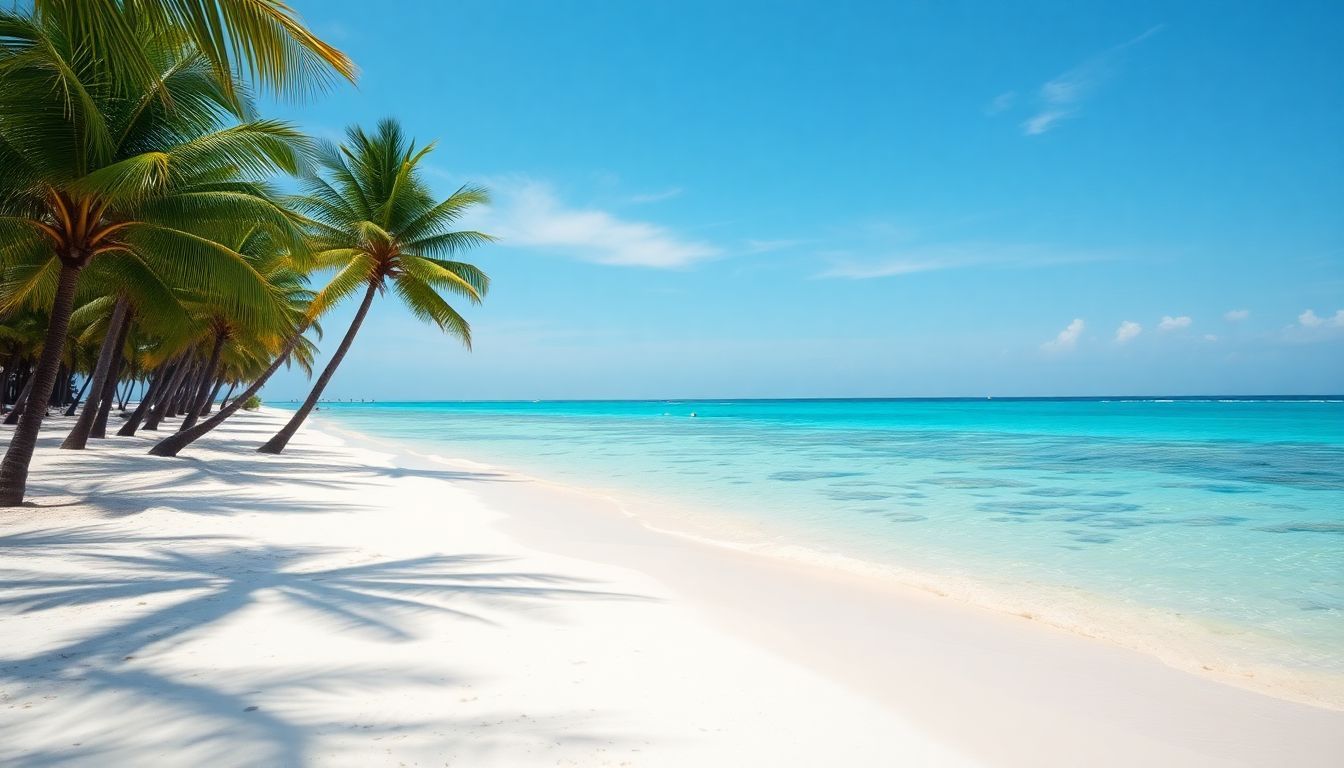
<point x="1309" y="319"/>
<point x="1127" y="331"/>
<point x="1062" y="97"/>
<point x="1236" y="315"/>
<point x="1067" y="339"/>
<point x="1001" y="103"/>
<point x="530" y="214"/>
<point x="890" y="267"/>
<point x="1170" y="323"/>
<point x="656" y="197"/>
<point x="1043" y="121"/>
<point x="956" y="256"/>
<point x="768" y="246"/>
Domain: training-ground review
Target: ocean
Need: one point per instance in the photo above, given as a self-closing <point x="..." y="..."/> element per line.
<point x="1209" y="531"/>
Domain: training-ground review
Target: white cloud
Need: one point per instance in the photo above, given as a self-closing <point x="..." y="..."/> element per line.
<point x="1067" y="338"/>
<point x="1127" y="331"/>
<point x="1043" y="121"/>
<point x="1000" y="103"/>
<point x="1310" y="319"/>
<point x="954" y="256"/>
<point x="655" y="197"/>
<point x="1210" y="337"/>
<point x="1236" y="315"/>
<point x="1062" y="96"/>
<point x="529" y="214"/>
<point x="1170" y="323"/>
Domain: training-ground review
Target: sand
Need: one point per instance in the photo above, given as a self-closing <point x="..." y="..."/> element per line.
<point x="350" y="604"/>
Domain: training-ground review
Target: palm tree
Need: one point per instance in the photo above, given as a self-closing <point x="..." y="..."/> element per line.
<point x="279" y="351"/>
<point x="229" y="335"/>
<point x="159" y="359"/>
<point x="136" y="297"/>
<point x="376" y="221"/>
<point x="256" y="352"/>
<point x="264" y="38"/>
<point x="22" y="334"/>
<point x="158" y="181"/>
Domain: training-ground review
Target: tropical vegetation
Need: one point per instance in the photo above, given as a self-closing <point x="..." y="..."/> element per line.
<point x="376" y="222"/>
<point x="148" y="258"/>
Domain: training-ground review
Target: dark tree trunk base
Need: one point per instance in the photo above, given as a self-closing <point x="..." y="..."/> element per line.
<point x="14" y="467"/>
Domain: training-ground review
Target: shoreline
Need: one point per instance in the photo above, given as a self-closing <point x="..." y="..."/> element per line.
<point x="1085" y="614"/>
<point x="340" y="605"/>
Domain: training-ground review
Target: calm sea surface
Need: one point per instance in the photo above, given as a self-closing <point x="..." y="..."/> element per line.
<point x="1216" y="524"/>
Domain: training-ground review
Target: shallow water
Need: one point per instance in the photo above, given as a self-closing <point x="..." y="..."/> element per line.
<point x="1216" y="520"/>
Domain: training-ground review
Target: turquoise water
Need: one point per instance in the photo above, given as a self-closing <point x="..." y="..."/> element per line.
<point x="1214" y="529"/>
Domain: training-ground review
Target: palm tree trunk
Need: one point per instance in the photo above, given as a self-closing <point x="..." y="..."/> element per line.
<point x="21" y="402"/>
<point x="125" y="394"/>
<point x="66" y="385"/>
<point x="214" y="395"/>
<point x="14" y="467"/>
<point x="147" y="398"/>
<point x="277" y="444"/>
<point x="188" y="391"/>
<point x="99" y="430"/>
<point x="79" y="436"/>
<point x="203" y="390"/>
<point x="227" y="395"/>
<point x="110" y="389"/>
<point x="11" y="370"/>
<point x="165" y="400"/>
<point x="175" y="398"/>
<point x="62" y="388"/>
<point x="78" y="398"/>
<point x="171" y="445"/>
<point x="179" y="399"/>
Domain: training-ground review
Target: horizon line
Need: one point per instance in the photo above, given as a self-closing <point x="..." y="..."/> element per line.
<point x="948" y="398"/>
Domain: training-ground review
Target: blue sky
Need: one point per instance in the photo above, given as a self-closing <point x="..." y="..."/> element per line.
<point x="865" y="199"/>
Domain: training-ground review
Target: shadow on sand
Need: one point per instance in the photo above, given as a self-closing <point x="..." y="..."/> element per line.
<point x="164" y="591"/>
<point x="114" y="665"/>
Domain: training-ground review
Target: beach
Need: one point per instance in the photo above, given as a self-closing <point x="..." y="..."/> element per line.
<point x="350" y="602"/>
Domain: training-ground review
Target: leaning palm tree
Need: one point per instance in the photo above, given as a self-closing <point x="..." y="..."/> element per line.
<point x="253" y="359"/>
<point x="225" y="330"/>
<point x="376" y="221"/>
<point x="131" y="292"/>
<point x="158" y="179"/>
<point x="261" y="352"/>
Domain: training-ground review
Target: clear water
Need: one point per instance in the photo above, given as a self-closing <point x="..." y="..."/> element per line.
<point x="1213" y="524"/>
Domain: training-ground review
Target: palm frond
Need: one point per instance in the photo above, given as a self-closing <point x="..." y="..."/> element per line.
<point x="426" y="304"/>
<point x="186" y="258"/>
<point x="357" y="273"/>
<point x="263" y="38"/>
<point x="443" y="215"/>
<point x="462" y="279"/>
<point x="126" y="181"/>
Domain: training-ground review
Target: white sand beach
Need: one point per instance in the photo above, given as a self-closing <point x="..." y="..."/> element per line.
<point x="342" y="604"/>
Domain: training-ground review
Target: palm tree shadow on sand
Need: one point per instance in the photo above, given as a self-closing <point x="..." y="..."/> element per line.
<point x="212" y="714"/>
<point x="127" y="483"/>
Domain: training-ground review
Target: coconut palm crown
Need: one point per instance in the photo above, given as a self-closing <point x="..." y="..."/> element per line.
<point x="148" y="182"/>
<point x="378" y="225"/>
